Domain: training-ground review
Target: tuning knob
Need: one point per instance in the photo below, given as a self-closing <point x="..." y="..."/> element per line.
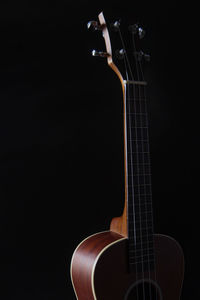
<point x="133" y="28"/>
<point x="141" y="32"/>
<point x="137" y="29"/>
<point x="147" y="57"/>
<point x="140" y="55"/>
<point x="115" y="26"/>
<point x="94" y="25"/>
<point x="120" y="53"/>
<point x="100" y="53"/>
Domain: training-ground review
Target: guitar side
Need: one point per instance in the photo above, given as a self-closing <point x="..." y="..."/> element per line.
<point x="99" y="268"/>
<point x="84" y="261"/>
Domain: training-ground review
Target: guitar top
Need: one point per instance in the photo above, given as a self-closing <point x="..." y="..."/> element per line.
<point x="129" y="261"/>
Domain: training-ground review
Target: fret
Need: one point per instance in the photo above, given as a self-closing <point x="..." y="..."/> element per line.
<point x="142" y="206"/>
<point x="148" y="175"/>
<point x="137" y="120"/>
<point x="138" y="159"/>
<point x="137" y="113"/>
<point x="140" y="127"/>
<point x="143" y="230"/>
<point x="137" y="134"/>
<point x="145" y="245"/>
<point x="145" y="189"/>
<point x="137" y="146"/>
<point x="140" y="196"/>
<point x="140" y="191"/>
<point x="149" y="256"/>
<point x="142" y="267"/>
<point x="138" y="233"/>
<point x="147" y="236"/>
<point x="136" y="247"/>
<point x="137" y="140"/>
<point x="139" y="170"/>
<point x="136" y="107"/>
<point x="139" y="199"/>
<point x="141" y="257"/>
<point x="142" y="261"/>
<point x="143" y="198"/>
<point x="143" y="214"/>
<point x="137" y="219"/>
<point x="139" y="185"/>
<point x="139" y="175"/>
<point x="145" y="251"/>
<point x="141" y="154"/>
<point x="143" y="165"/>
<point x="143" y="223"/>
<point x="140" y="229"/>
<point x="140" y="250"/>
<point x="136" y="92"/>
<point x="136" y="210"/>
<point x="141" y="179"/>
<point x="140" y="99"/>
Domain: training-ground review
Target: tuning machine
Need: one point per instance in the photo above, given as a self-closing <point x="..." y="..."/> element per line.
<point x="140" y="55"/>
<point x="115" y="26"/>
<point x="94" y="25"/>
<point x="136" y="29"/>
<point x="120" y="53"/>
<point x="100" y="53"/>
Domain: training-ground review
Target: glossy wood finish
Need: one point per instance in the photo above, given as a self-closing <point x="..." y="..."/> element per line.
<point x="118" y="224"/>
<point x="99" y="268"/>
<point x="84" y="260"/>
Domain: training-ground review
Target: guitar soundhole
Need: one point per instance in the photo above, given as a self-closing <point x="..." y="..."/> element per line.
<point x="144" y="290"/>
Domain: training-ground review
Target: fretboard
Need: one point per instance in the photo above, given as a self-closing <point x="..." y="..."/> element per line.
<point x="139" y="193"/>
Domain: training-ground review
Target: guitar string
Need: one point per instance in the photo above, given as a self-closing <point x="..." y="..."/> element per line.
<point x="132" y="184"/>
<point x="140" y="118"/>
<point x="130" y="134"/>
<point x="155" y="275"/>
<point x="126" y="61"/>
<point x="139" y="240"/>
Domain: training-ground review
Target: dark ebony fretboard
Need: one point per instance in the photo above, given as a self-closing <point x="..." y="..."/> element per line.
<point x="140" y="215"/>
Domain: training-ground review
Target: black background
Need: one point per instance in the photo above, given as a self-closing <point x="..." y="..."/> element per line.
<point x="61" y="164"/>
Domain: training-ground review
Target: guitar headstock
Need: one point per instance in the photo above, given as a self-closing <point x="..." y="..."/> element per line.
<point x="131" y="57"/>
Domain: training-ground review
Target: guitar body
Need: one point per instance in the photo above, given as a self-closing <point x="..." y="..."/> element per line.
<point x="99" y="270"/>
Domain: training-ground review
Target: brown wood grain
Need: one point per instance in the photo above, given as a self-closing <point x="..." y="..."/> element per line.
<point x="100" y="271"/>
<point x="118" y="224"/>
<point x="107" y="267"/>
<point x="83" y="262"/>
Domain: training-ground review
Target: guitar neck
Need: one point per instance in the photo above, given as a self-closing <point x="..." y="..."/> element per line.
<point x="138" y="175"/>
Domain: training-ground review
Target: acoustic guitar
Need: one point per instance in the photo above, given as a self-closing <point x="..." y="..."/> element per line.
<point x="129" y="261"/>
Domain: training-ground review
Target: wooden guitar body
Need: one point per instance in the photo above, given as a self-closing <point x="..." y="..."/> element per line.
<point x="99" y="270"/>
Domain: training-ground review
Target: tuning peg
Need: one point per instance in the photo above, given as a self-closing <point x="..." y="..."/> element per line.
<point x="133" y="28"/>
<point x="115" y="26"/>
<point x="137" y="29"/>
<point x="100" y="53"/>
<point x="141" y="32"/>
<point x="94" y="25"/>
<point x="140" y="55"/>
<point x="120" y="53"/>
